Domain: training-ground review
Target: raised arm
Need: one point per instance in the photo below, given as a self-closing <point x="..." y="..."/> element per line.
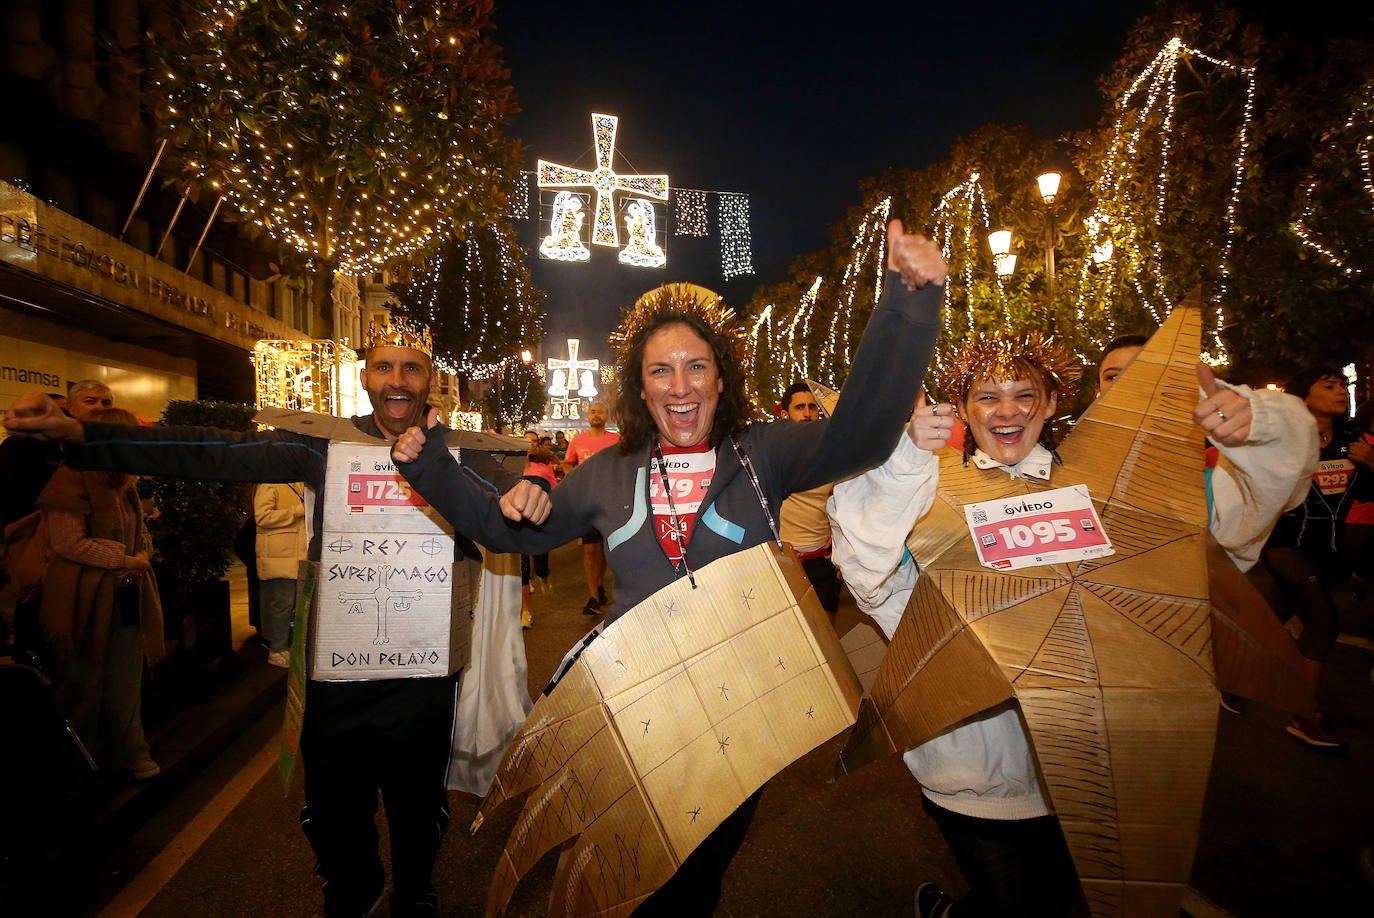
<point x="205" y="453"/>
<point x="888" y="367"/>
<point x="473" y="505"/>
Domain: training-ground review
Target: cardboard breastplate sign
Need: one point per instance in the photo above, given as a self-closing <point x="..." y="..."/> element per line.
<point x="392" y="604"/>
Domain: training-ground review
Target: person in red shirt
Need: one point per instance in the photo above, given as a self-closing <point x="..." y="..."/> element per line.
<point x="581" y="448"/>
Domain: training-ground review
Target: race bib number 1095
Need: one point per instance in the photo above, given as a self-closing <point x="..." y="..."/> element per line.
<point x="1051" y="527"/>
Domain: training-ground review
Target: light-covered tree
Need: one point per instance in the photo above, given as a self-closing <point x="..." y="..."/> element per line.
<point x="354" y="132"/>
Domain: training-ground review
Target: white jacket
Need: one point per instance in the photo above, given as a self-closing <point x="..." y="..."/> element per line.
<point x="985" y="767"/>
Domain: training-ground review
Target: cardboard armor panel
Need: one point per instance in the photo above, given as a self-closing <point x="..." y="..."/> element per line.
<point x="1111" y="658"/>
<point x="664" y="724"/>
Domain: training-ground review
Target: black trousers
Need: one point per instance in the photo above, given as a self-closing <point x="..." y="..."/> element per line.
<point x="361" y="738"/>
<point x="1014" y="867"/>
<point x="826" y="582"/>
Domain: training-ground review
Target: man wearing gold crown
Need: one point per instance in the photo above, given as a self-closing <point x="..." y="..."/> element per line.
<point x="358" y="737"/>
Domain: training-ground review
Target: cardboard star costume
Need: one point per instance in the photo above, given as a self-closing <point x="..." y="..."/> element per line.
<point x="1111" y="658"/>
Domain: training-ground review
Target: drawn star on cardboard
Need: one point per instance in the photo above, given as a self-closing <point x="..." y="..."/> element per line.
<point x="1111" y="658"/>
<point x="664" y="724"/>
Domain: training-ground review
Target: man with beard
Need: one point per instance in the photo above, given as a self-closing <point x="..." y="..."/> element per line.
<point x="391" y="735"/>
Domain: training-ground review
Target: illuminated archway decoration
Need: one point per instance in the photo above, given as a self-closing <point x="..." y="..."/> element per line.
<point x="572" y="381"/>
<point x="642" y="250"/>
<point x="604" y="180"/>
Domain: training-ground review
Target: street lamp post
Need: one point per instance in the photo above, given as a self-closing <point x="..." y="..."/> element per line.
<point x="1049" y="188"/>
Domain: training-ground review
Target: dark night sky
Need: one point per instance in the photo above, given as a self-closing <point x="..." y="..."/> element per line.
<point x="792" y="103"/>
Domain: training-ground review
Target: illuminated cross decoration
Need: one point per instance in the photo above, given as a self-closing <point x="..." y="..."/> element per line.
<point x="565" y="375"/>
<point x="604" y="180"/>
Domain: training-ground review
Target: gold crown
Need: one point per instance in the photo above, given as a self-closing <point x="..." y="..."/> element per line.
<point x="1001" y="355"/>
<point x="681" y="298"/>
<point x="399" y="331"/>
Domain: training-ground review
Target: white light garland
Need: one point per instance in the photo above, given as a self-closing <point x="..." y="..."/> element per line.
<point x="689" y="212"/>
<point x="1117" y="227"/>
<point x="518" y="207"/>
<point x="1361" y="122"/>
<point x="736" y="246"/>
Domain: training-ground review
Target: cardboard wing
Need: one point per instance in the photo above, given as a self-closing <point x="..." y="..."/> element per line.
<point x="664" y="724"/>
<point x="1111" y="658"/>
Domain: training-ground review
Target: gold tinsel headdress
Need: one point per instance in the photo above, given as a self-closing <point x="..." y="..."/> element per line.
<point x="698" y="302"/>
<point x="1002" y="355"/>
<point x="399" y="331"/>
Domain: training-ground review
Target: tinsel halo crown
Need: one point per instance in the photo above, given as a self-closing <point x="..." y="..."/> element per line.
<point x="698" y="302"/>
<point x="399" y="331"/>
<point x="995" y="355"/>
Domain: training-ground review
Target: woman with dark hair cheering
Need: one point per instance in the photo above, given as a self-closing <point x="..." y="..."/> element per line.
<point x="692" y="481"/>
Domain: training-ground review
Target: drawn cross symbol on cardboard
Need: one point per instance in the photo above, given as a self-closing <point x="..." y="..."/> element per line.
<point x="603" y="180"/>
<point x="724" y="744"/>
<point x="724" y="692"/>
<point x="747" y="598"/>
<point x="385" y="601"/>
<point x="694" y="813"/>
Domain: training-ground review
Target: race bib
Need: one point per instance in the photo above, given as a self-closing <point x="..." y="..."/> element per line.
<point x="1333" y="476"/>
<point x="1051" y="527"/>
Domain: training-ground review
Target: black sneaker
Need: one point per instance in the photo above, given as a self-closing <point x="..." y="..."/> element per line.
<point x="931" y="901"/>
<point x="592" y="607"/>
<point x="1313" y="732"/>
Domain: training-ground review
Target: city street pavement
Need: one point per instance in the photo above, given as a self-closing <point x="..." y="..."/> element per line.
<point x="1281" y="834"/>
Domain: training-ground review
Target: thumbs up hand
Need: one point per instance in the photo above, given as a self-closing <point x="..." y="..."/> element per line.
<point x="1223" y="415"/>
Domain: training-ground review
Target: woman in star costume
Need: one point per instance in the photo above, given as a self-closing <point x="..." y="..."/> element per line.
<point x="980" y="780"/>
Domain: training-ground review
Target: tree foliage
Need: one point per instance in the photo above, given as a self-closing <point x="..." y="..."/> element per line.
<point x="476" y="295"/>
<point x="353" y="131"/>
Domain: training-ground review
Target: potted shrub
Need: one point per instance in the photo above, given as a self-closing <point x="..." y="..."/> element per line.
<point x="193" y="525"/>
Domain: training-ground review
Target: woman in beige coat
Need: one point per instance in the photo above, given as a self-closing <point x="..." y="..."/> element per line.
<point x="100" y="607"/>
<point x="279" y="510"/>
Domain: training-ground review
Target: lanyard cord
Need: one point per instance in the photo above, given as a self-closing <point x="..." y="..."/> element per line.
<point x="672" y="514"/>
<point x="758" y="489"/>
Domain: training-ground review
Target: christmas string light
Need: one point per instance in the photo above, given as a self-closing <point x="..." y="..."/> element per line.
<point x="518" y="208"/>
<point x="1126" y="228"/>
<point x="963" y="212"/>
<point x="238" y="135"/>
<point x="689" y="212"/>
<point x="303" y="374"/>
<point x="868" y="248"/>
<point x="736" y="251"/>
<point x="1361" y="122"/>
